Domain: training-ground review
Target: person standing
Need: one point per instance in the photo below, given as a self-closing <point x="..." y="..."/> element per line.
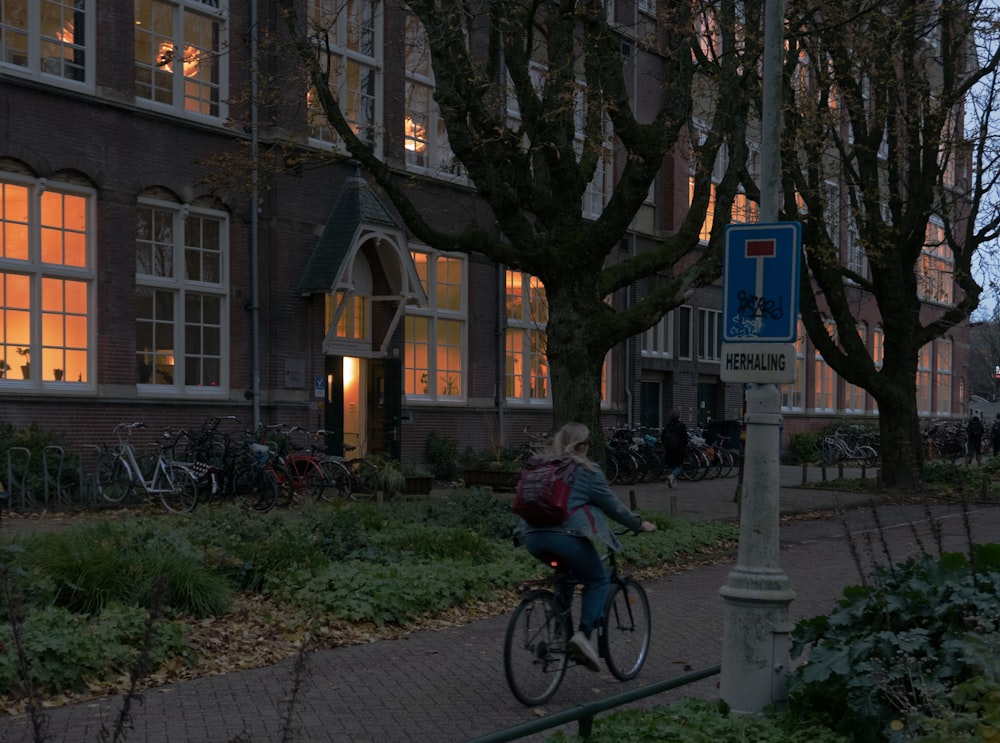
<point x="974" y="432"/>
<point x="675" y="440"/>
<point x="995" y="436"/>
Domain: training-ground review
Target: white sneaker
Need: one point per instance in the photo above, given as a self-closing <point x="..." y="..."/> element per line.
<point x="583" y="651"/>
<point x="672" y="482"/>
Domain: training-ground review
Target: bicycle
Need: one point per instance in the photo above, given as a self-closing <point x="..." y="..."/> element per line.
<point x="226" y="469"/>
<point x="313" y="474"/>
<point x="363" y="473"/>
<point x="536" y="650"/>
<point x="119" y="473"/>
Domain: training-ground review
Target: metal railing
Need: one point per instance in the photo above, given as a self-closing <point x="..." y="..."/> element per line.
<point x="584" y="714"/>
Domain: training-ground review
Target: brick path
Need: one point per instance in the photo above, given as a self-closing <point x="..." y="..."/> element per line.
<point x="448" y="686"/>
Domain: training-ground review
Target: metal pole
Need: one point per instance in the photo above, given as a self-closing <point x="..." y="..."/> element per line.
<point x="755" y="654"/>
<point x="254" y="225"/>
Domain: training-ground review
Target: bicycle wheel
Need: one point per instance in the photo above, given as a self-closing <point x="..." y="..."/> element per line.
<point x="339" y="478"/>
<point x="867" y="455"/>
<point x="695" y="464"/>
<point x="284" y="480"/>
<point x="534" y="651"/>
<point x="114" y="478"/>
<point x="314" y="480"/>
<point x="364" y="475"/>
<point x="624" y="641"/>
<point x="256" y="488"/>
<point x="177" y="487"/>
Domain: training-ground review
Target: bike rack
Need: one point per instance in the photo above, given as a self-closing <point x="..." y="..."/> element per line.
<point x="53" y="461"/>
<point x="584" y="714"/>
<point x="18" y="462"/>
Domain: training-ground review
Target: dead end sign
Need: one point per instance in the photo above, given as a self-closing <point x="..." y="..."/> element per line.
<point x="760" y="282"/>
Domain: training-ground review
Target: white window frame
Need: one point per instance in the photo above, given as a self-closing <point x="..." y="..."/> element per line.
<point x="436" y="314"/>
<point x="326" y="14"/>
<point x="46" y="55"/>
<point x="855" y="396"/>
<point x="936" y="269"/>
<point x="944" y="373"/>
<point x="48" y="346"/>
<point x="924" y="371"/>
<point x="436" y="157"/>
<point x="709" y="335"/>
<point x="180" y="289"/>
<point x="658" y="341"/>
<point x="824" y="392"/>
<point x="182" y="85"/>
<point x="793" y="394"/>
<point x="529" y="327"/>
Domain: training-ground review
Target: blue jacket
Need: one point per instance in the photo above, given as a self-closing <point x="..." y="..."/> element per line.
<point x="590" y="499"/>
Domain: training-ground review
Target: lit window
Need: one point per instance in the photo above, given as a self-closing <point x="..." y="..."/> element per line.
<point x="878" y="356"/>
<point x="46" y="284"/>
<point x="793" y="394"/>
<point x="178" y="48"/>
<point x="937" y="268"/>
<point x="527" y="365"/>
<point x="348" y="40"/>
<point x="924" y="380"/>
<point x="854" y="396"/>
<point x="425" y="138"/>
<point x="943" y="377"/>
<point x="181" y="299"/>
<point x="824" y="381"/>
<point x="48" y="37"/>
<point x="435" y="335"/>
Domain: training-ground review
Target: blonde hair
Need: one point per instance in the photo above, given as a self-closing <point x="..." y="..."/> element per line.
<point x="571" y="439"/>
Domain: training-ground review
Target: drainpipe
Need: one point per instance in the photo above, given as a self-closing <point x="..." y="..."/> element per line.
<point x="501" y="365"/>
<point x="254" y="225"/>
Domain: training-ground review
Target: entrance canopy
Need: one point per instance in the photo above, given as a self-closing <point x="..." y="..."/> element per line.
<point x="361" y="231"/>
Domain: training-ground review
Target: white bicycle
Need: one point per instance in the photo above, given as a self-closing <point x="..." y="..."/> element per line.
<point x="120" y="473"/>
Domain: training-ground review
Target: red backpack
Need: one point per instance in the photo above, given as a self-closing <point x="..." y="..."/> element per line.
<point x="543" y="490"/>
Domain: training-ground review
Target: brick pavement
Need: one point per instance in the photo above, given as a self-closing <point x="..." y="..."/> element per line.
<point x="448" y="685"/>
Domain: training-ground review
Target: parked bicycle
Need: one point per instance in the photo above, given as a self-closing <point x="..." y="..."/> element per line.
<point x="306" y="470"/>
<point x="848" y="446"/>
<point x="227" y="468"/>
<point x="536" y="650"/>
<point x="363" y="473"/>
<point x="120" y="472"/>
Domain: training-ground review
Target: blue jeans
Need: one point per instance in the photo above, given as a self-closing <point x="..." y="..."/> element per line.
<point x="578" y="555"/>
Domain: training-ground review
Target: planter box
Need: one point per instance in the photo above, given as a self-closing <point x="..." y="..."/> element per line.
<point x="496" y="479"/>
<point x="418" y="485"/>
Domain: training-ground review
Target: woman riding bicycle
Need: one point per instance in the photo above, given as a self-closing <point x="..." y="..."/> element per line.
<point x="569" y="543"/>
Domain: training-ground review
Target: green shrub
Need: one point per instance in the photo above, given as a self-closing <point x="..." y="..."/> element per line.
<point x="700" y="721"/>
<point x="64" y="650"/>
<point x="802" y="448"/>
<point x="919" y="631"/>
<point x="92" y="566"/>
<point x="422" y="541"/>
<point x="477" y="509"/>
<point x="442" y="453"/>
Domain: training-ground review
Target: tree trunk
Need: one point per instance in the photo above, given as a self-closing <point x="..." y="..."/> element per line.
<point x="902" y="448"/>
<point x="574" y="366"/>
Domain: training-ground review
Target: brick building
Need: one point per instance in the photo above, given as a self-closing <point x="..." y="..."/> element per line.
<point x="130" y="291"/>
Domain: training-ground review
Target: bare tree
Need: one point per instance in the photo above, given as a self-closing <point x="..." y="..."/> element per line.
<point x="562" y="66"/>
<point x="894" y="103"/>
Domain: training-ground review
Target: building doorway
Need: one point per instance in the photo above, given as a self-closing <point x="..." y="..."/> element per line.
<point x="362" y="405"/>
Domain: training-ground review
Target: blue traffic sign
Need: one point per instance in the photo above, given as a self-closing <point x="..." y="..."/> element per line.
<point x="760" y="282"/>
